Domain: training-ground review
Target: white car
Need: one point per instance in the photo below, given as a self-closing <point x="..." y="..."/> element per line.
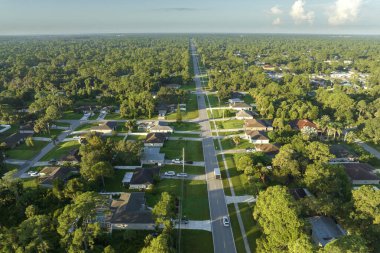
<point x="177" y="161"/>
<point x="34" y="174"/>
<point x="169" y="173"/>
<point x="31" y="172"/>
<point x="226" y="222"/>
<point x="182" y="174"/>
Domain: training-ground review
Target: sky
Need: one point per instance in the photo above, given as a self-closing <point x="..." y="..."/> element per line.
<point x="191" y="16"/>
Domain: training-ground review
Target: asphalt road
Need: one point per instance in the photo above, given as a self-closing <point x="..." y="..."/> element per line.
<point x="222" y="236"/>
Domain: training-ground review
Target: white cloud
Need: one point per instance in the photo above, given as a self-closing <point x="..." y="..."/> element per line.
<point x="275" y="10"/>
<point x="299" y="14"/>
<point x="277" y="21"/>
<point x="344" y="11"/>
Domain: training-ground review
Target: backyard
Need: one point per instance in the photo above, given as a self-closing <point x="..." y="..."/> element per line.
<point x="196" y="241"/>
<point x="191" y="109"/>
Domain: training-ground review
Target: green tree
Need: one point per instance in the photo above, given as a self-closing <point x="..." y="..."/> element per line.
<point x="179" y="114"/>
<point x="346" y="244"/>
<point x="164" y="209"/>
<point x="102" y="169"/>
<point x="278" y="216"/>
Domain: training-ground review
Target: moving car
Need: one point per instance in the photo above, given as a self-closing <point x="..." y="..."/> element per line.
<point x="181" y="174"/>
<point x="176" y="161"/>
<point x="169" y="173"/>
<point x="226" y="222"/>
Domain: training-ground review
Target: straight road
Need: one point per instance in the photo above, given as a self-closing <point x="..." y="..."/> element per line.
<point x="222" y="236"/>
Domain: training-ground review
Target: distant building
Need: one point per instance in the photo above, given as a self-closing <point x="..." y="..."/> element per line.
<point x="361" y="173"/>
<point x="270" y="149"/>
<point x="152" y="155"/>
<point x="324" y="230"/>
<point x="258" y="125"/>
<point x="141" y="178"/>
<point x="49" y="174"/>
<point x="155" y="139"/>
<point x="241" y="106"/>
<point x="245" y="114"/>
<point x="302" y="123"/>
<point x="105" y="128"/>
<point x="256" y="137"/>
<point x="15" y="139"/>
<point x="161" y="127"/>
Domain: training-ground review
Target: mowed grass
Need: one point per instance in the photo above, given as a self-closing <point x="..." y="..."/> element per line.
<point x="191" y="109"/>
<point x="229" y="124"/>
<point x="239" y="179"/>
<point x="86" y="126"/>
<point x="228" y="143"/>
<point x="68" y="115"/>
<point x="196" y="241"/>
<point x="219" y="114"/>
<point x="136" y="137"/>
<point x="195" y="200"/>
<point x="61" y="150"/>
<point x="195" y="170"/>
<point x="185" y="126"/>
<point x="53" y="132"/>
<point x="23" y="152"/>
<point x="193" y="150"/>
<point x="251" y="228"/>
<point x="185" y="135"/>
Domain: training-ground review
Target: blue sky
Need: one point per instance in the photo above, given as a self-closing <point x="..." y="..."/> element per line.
<point x="205" y="16"/>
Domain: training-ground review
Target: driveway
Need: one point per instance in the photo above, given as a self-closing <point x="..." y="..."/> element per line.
<point x="368" y="148"/>
<point x="189" y="177"/>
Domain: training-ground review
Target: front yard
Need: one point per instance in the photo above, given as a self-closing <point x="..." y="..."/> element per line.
<point x="228" y="124"/>
<point x="228" y="143"/>
<point x="191" y="109"/>
<point x="196" y="241"/>
<point x="61" y="150"/>
<point x="185" y="126"/>
<point x="23" y="152"/>
<point x="193" y="150"/>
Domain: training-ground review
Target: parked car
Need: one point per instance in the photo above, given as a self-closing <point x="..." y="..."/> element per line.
<point x="177" y="161"/>
<point x="169" y="173"/>
<point x="181" y="174"/>
<point x="248" y="150"/>
<point x="31" y="172"/>
<point x="226" y="222"/>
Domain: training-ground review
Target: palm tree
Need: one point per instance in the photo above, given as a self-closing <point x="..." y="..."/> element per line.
<point x="130" y="125"/>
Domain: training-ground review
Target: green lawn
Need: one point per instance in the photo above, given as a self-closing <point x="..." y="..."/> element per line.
<point x="94" y="117"/>
<point x="214" y="101"/>
<point x="190" y="86"/>
<point x="185" y="126"/>
<point x="61" y="150"/>
<point x="193" y="150"/>
<point x="113" y="116"/>
<point x="30" y="183"/>
<point x="12" y="130"/>
<point x="53" y="132"/>
<point x="116" y="138"/>
<point x="251" y="228"/>
<point x="23" y="152"/>
<point x="196" y="170"/>
<point x="239" y="179"/>
<point x="195" y="205"/>
<point x="191" y="106"/>
<point x="229" y="124"/>
<point x="228" y="143"/>
<point x="71" y="115"/>
<point x="136" y="137"/>
<point x="185" y="135"/>
<point x="62" y="124"/>
<point x="196" y="241"/>
<point x="86" y="126"/>
<point x="218" y="114"/>
<point x="228" y="133"/>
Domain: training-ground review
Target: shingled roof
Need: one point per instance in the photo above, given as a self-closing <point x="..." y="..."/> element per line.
<point x="360" y="171"/>
<point x="156" y="138"/>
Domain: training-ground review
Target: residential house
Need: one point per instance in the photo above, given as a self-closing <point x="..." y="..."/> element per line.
<point x="303" y="123"/>
<point x="27" y="128"/>
<point x="15" y="139"/>
<point x="361" y="173"/>
<point x="155" y="139"/>
<point x="49" y="174"/>
<point x="152" y="155"/>
<point x="161" y="127"/>
<point x="241" y="106"/>
<point x="258" y="125"/>
<point x="245" y="114"/>
<point x="235" y="100"/>
<point x="105" y="128"/>
<point x="141" y="178"/>
<point x="130" y="211"/>
<point x="267" y="148"/>
<point x="145" y="126"/>
<point x="72" y="157"/>
<point x="256" y="137"/>
<point x="324" y="230"/>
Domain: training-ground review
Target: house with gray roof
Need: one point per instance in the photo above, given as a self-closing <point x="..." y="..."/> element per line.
<point x="361" y="173"/>
<point x="105" y="128"/>
<point x="161" y="127"/>
<point x="324" y="230"/>
<point x="152" y="155"/>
